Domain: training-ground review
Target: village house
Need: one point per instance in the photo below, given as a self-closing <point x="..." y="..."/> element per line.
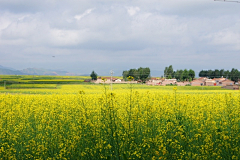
<point x="219" y="80"/>
<point x="203" y="79"/>
<point x="169" y="82"/>
<point x="114" y="80"/>
<point x="197" y="82"/>
<point x="154" y="81"/>
<point x="224" y="82"/>
<point x="118" y="80"/>
<point x="227" y="82"/>
<point x="183" y="83"/>
<point x="209" y="82"/>
<point x="107" y="80"/>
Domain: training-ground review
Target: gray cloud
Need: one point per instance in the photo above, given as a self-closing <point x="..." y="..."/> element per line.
<point x="103" y="35"/>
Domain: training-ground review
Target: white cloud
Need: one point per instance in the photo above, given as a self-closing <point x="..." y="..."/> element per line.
<point x="80" y="16"/>
<point x="227" y="38"/>
<point x="132" y="10"/>
<point x="62" y="38"/>
<point x="23" y="17"/>
<point x="5" y="22"/>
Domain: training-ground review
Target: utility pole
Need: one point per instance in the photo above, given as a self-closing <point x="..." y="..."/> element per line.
<point x="111" y="77"/>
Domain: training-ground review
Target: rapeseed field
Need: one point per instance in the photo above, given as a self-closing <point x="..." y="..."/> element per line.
<point x="130" y="122"/>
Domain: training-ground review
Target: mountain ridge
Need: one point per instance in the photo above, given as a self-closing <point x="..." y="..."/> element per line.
<point x="33" y="71"/>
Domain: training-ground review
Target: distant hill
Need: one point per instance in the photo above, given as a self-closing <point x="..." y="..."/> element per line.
<point x="32" y="71"/>
<point x="40" y="71"/>
<point x="4" y="71"/>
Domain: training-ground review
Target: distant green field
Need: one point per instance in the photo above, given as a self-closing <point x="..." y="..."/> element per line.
<point x="27" y="79"/>
<point x="29" y="86"/>
<point x="34" y="77"/>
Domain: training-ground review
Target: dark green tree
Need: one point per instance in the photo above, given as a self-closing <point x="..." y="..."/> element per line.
<point x="144" y="73"/>
<point x="191" y="73"/>
<point x="93" y="75"/>
<point x="138" y="74"/>
<point x="203" y="73"/>
<point x="177" y="75"/>
<point x="181" y="75"/>
<point x="217" y="73"/>
<point x="226" y="74"/>
<point x="185" y="74"/>
<point x="174" y="72"/>
<point x="234" y="75"/>
<point x="210" y="74"/>
<point x="125" y="75"/>
<point x="165" y="71"/>
<point x="221" y="73"/>
<point x="133" y="73"/>
<point x="168" y="72"/>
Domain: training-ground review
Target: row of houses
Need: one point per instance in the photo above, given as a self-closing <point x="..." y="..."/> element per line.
<point x="112" y="80"/>
<point x="223" y="82"/>
<point x="202" y="81"/>
<point x="164" y="82"/>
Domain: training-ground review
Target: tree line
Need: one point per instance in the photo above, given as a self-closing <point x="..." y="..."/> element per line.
<point x="181" y="75"/>
<point x="234" y="74"/>
<point x="138" y="74"/>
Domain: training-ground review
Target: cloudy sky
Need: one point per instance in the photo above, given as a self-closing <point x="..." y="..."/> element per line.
<point x="84" y="35"/>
